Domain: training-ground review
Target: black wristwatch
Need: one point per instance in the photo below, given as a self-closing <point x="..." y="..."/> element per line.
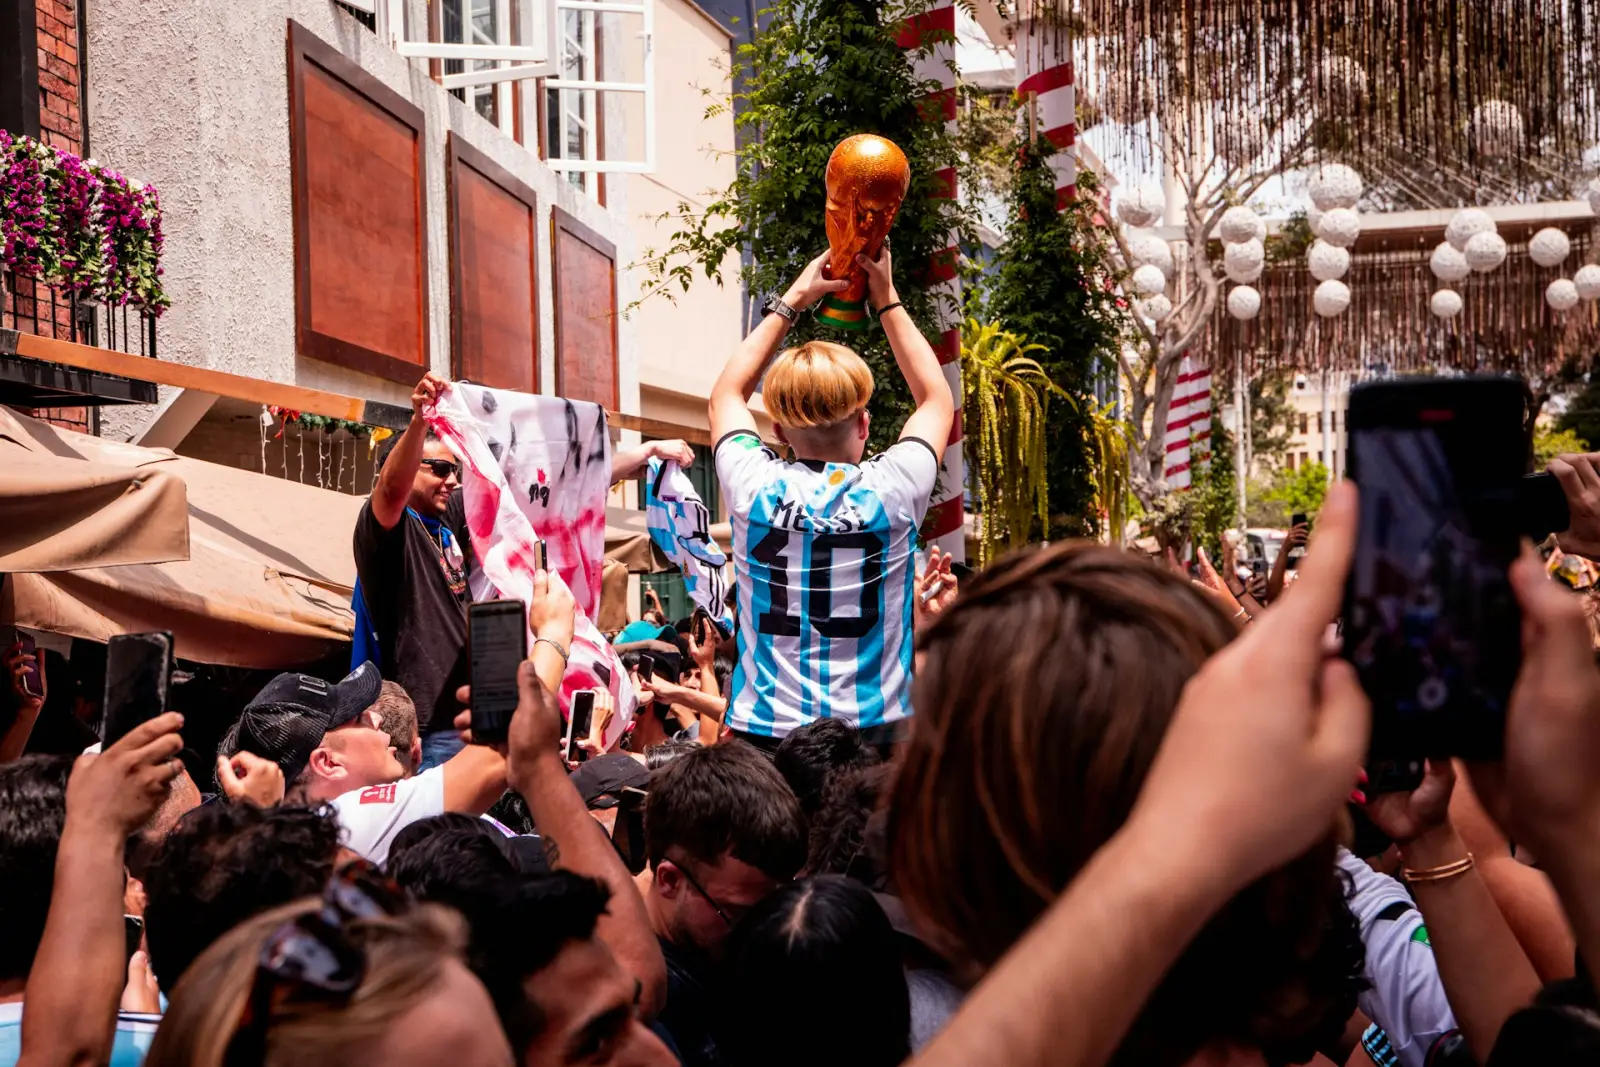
<point x="775" y="305"/>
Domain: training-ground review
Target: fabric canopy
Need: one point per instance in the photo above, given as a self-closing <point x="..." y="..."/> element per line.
<point x="63" y="512"/>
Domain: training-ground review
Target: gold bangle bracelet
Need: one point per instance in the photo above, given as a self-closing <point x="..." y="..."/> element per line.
<point x="1438" y="874"/>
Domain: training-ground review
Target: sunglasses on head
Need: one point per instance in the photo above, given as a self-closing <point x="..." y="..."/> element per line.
<point x="311" y="959"/>
<point x="442" y="468"/>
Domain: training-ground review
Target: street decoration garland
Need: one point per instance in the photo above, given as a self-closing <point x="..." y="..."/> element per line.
<point x="79" y="226"/>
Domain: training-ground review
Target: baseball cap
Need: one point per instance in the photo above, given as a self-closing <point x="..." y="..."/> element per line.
<point x="286" y="720"/>
<point x="600" y="781"/>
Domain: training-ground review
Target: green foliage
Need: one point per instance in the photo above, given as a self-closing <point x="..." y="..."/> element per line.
<point x="1582" y="416"/>
<point x="1109" y="441"/>
<point x="1300" y="491"/>
<point x="1272" y="417"/>
<point x="1290" y="243"/>
<point x="1056" y="287"/>
<point x="821" y="71"/>
<point x="1201" y="513"/>
<point x="1548" y="444"/>
<point x="1005" y="407"/>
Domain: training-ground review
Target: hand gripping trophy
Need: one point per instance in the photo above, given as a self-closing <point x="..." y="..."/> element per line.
<point x="867" y="179"/>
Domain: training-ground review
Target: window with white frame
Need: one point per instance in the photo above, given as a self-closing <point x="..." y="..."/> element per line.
<point x="572" y="117"/>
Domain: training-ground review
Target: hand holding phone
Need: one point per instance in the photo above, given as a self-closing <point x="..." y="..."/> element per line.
<point x="627" y="833"/>
<point x="27" y="669"/>
<point x="579" y="725"/>
<point x="138" y="682"/>
<point x="497" y="643"/>
<point x="647" y="666"/>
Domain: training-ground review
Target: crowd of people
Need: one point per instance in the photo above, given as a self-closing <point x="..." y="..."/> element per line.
<point x="1078" y="808"/>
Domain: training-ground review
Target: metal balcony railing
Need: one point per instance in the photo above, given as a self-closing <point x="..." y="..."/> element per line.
<point x="30" y="306"/>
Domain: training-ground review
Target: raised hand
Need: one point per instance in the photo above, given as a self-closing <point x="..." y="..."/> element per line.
<point x="1579" y="476"/>
<point x="1404" y="817"/>
<point x="935" y="589"/>
<point x="247" y="777"/>
<point x="120" y="789"/>
<point x="812" y="286"/>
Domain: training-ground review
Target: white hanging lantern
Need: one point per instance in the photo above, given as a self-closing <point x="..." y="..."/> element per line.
<point x="1148" y="248"/>
<point x="1587" y="281"/>
<point x="1561" y="294"/>
<point x="1156" y="307"/>
<point x="1486" y="251"/>
<point x="1243" y="262"/>
<point x="1496" y="128"/>
<point x="1240" y="224"/>
<point x="1141" y="205"/>
<point x="1466" y="224"/>
<point x="1327" y="262"/>
<point x="1331" y="298"/>
<point x="1149" y="280"/>
<point x="1448" y="264"/>
<point x="1244" y="302"/>
<point x="1592" y="194"/>
<point x="1549" y="247"/>
<point x="1446" y="303"/>
<point x="1334" y="185"/>
<point x="1341" y="226"/>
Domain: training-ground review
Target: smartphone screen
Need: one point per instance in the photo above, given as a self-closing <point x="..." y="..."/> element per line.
<point x="627" y="833"/>
<point x="1430" y="621"/>
<point x="30" y="681"/>
<point x="138" y="676"/>
<point x="497" y="643"/>
<point x="579" y="723"/>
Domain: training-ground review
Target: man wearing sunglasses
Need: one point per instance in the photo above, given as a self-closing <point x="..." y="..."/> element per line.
<point x="413" y="563"/>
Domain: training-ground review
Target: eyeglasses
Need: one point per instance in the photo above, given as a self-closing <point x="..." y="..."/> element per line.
<point x="698" y="888"/>
<point x="442" y="468"/>
<point x="311" y="958"/>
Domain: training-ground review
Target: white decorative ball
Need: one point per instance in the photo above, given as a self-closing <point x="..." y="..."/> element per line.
<point x="1587" y="281"/>
<point x="1549" y="247"/>
<point x="1244" y="302"/>
<point x="1448" y="264"/>
<point x="1148" y="248"/>
<point x="1334" y="185"/>
<point x="1243" y="262"/>
<point x="1561" y="294"/>
<point x="1485" y="252"/>
<point x="1326" y="261"/>
<point x="1340" y="226"/>
<point x="1240" y="224"/>
<point x="1149" y="280"/>
<point x="1592" y="194"/>
<point x="1496" y="128"/>
<point x="1141" y="205"/>
<point x="1331" y="298"/>
<point x="1466" y="224"/>
<point x="1156" y="307"/>
<point x="1446" y="303"/>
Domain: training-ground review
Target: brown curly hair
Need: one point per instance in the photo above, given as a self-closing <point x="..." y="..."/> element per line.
<point x="1041" y="699"/>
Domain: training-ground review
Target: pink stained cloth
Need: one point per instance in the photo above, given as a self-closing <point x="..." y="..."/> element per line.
<point x="538" y="468"/>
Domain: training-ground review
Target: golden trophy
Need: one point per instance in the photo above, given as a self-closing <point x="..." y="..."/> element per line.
<point x="867" y="179"/>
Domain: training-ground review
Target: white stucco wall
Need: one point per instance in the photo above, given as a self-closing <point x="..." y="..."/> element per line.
<point x="193" y="96"/>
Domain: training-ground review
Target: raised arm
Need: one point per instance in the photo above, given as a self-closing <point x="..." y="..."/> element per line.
<point x="399" y="472"/>
<point x="631" y="462"/>
<point x="936" y="408"/>
<point x="730" y="396"/>
<point x="14" y="741"/>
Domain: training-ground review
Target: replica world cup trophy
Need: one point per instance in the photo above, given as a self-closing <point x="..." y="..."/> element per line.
<point x="867" y="179"/>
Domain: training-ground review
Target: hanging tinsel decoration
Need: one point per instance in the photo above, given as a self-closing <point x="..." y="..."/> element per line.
<point x="1244" y="302"/>
<point x="1561" y="294"/>
<point x="1587" y="281"/>
<point x="1448" y="264"/>
<point x="1327" y="262"/>
<point x="1549" y="247"/>
<point x="1243" y="262"/>
<point x="1466" y="224"/>
<point x="1486" y="251"/>
<point x="1496" y="129"/>
<point x="1148" y="280"/>
<point x="1446" y="303"/>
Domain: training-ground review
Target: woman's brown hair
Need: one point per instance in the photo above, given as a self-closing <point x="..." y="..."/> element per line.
<point x="1041" y="699"/>
<point x="405" y="957"/>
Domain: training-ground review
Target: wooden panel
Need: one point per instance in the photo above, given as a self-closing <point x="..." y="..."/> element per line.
<point x="586" y="312"/>
<point x="360" y="240"/>
<point x="494" y="288"/>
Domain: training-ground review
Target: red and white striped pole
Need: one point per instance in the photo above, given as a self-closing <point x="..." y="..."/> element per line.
<point x="1045" y="82"/>
<point x="943" y="526"/>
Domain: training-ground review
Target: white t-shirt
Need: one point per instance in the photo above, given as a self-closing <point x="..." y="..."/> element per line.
<point x="824" y="557"/>
<point x="371" y="817"/>
<point x="1407" y="998"/>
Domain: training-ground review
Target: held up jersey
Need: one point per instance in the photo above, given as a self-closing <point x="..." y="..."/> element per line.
<point x="824" y="558"/>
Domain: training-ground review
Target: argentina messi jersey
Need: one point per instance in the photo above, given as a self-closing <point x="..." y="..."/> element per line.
<point x="824" y="557"/>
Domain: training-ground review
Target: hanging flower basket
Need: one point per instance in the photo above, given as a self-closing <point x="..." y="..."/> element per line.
<point x="78" y="226"/>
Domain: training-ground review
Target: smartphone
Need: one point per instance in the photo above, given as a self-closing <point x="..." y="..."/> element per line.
<point x="701" y="625"/>
<point x="1394" y="775"/>
<point x="627" y="833"/>
<point x="647" y="666"/>
<point x="1299" y="518"/>
<point x="30" y="681"/>
<point x="1543" y="506"/>
<point x="1430" y="622"/>
<point x="138" y="677"/>
<point x="497" y="643"/>
<point x="1258" y="568"/>
<point x="132" y="937"/>
<point x="544" y="556"/>
<point x="579" y="723"/>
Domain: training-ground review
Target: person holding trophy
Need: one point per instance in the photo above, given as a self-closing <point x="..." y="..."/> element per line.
<point x="824" y="544"/>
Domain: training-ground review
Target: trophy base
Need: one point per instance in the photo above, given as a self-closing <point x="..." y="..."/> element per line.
<point x="843" y="314"/>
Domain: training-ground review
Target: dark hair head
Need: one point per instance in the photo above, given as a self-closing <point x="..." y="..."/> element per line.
<point x="839" y="840"/>
<point x="809" y="756"/>
<point x="662" y="753"/>
<point x="450" y="859"/>
<point x="818" y="933"/>
<point x="33" y="808"/>
<point x="1013" y="778"/>
<point x="721" y="799"/>
<point x="224" y="863"/>
<point x="390" y="443"/>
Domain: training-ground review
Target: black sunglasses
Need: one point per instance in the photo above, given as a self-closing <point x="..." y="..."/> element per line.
<point x="311" y="958"/>
<point x="442" y="468"/>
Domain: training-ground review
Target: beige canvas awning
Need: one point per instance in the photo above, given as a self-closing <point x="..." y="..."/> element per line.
<point x="62" y="512"/>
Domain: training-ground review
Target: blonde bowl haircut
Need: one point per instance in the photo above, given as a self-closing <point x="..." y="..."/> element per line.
<point x="816" y="386"/>
<point x="406" y="955"/>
